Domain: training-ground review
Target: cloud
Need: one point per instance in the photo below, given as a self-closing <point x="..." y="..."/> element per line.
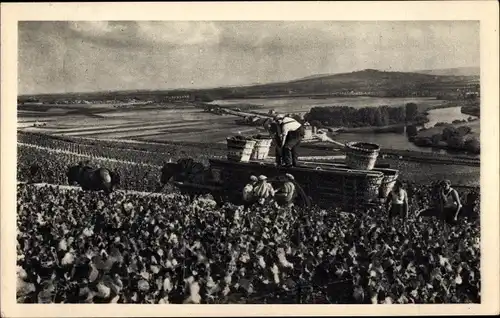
<point x="146" y="33"/>
<point x="108" y="55"/>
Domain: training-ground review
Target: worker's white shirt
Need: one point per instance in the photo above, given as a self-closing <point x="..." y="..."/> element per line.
<point x="288" y="190"/>
<point x="289" y="124"/>
<point x="248" y="192"/>
<point x="399" y="197"/>
<point x="263" y="190"/>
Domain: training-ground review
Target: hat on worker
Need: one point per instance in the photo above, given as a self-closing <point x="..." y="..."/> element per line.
<point x="445" y="182"/>
<point x="290" y="177"/>
<point x="262" y="177"/>
<point x="253" y="178"/>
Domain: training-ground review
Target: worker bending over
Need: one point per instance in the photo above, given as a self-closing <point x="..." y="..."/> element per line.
<point x="263" y="191"/>
<point x="291" y="133"/>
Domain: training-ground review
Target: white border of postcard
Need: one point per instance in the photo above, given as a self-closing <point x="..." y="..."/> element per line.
<point x="484" y="11"/>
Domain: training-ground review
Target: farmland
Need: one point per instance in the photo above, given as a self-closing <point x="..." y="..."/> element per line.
<point x="157" y="123"/>
<point x="161" y="122"/>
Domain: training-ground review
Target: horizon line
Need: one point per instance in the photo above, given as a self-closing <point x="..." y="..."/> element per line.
<point x="251" y="84"/>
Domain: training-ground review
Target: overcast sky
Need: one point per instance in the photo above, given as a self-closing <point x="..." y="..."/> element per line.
<point x="59" y="57"/>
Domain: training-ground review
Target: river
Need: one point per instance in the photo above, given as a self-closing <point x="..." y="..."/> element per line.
<point x="304" y="104"/>
<point x="385" y="140"/>
<point x="400" y="140"/>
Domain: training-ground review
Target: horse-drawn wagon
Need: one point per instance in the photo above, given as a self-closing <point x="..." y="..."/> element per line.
<point x="343" y="185"/>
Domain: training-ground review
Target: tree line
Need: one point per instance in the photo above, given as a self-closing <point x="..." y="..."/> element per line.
<point x="345" y="116"/>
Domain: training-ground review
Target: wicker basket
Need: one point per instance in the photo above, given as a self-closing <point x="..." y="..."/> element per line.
<point x="239" y="150"/>
<point x="373" y="186"/>
<point x="360" y="155"/>
<point x="261" y="149"/>
<point x="388" y="183"/>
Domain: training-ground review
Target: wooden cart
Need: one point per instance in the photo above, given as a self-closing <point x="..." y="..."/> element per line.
<point x="327" y="185"/>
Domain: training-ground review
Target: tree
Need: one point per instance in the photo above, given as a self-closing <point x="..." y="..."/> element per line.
<point x="473" y="145"/>
<point x="411" y="111"/>
<point x="449" y="132"/>
<point x="411" y="131"/>
<point x="436" y="139"/>
<point x="463" y="130"/>
<point x="456" y="142"/>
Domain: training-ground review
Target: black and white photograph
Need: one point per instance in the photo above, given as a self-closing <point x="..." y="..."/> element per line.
<point x="249" y="162"/>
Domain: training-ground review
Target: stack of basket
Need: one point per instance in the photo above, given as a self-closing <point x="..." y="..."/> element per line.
<point x="239" y="148"/>
<point x="244" y="149"/>
<point x="363" y="156"/>
<point x="261" y="148"/>
<point x="390" y="177"/>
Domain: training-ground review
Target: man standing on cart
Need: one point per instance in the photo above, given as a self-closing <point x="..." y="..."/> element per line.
<point x="289" y="136"/>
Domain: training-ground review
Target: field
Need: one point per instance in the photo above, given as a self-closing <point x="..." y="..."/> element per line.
<point x="170" y="122"/>
<point x="157" y="123"/>
<point x="140" y="247"/>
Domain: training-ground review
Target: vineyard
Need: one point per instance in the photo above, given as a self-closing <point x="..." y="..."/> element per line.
<point x="156" y="153"/>
<point x="82" y="247"/>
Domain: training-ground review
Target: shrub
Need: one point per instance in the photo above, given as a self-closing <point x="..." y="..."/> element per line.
<point x="456" y="142"/>
<point x="440" y="124"/>
<point x="463" y="130"/>
<point x="423" y="141"/>
<point x="436" y="139"/>
<point x="449" y="132"/>
<point x="473" y="145"/>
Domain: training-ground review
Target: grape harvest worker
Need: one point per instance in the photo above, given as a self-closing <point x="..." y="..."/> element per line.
<point x="451" y="201"/>
<point x="248" y="189"/>
<point x="263" y="191"/>
<point x="289" y="136"/>
<point x="274" y="130"/>
<point x="397" y="201"/>
<point x="286" y="194"/>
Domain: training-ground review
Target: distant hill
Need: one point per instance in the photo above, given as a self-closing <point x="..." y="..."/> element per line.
<point x="370" y="81"/>
<point x="457" y="71"/>
<point x="316" y="76"/>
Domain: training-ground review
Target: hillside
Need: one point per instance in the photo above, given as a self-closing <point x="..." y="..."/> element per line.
<point x="457" y="71"/>
<point x="369" y="81"/>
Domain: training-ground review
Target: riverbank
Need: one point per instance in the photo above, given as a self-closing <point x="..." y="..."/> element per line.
<point x="463" y="137"/>
<point x="471" y="110"/>
<point x="395" y="128"/>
